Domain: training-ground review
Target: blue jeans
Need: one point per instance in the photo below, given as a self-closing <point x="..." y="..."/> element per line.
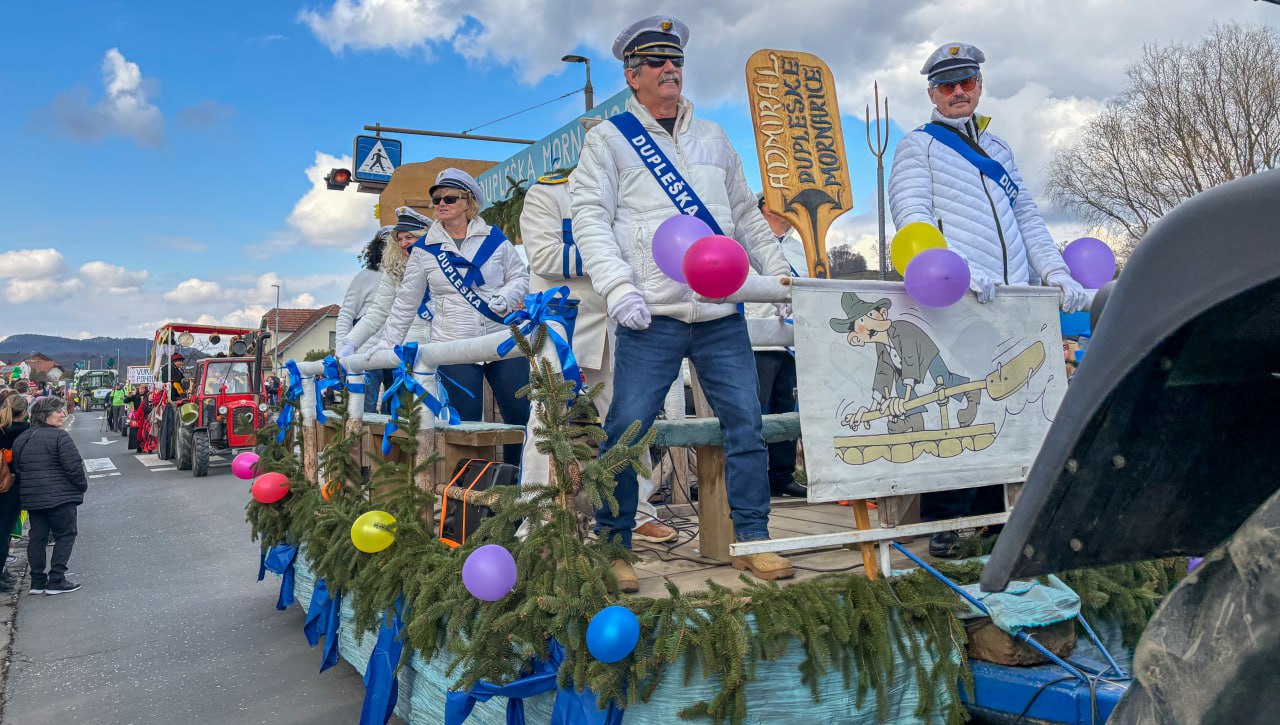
<point x="646" y="362"/>
<point x="376" y="381"/>
<point x="505" y="378"/>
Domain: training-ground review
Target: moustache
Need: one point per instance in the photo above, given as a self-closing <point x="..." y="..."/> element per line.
<point x="675" y="77"/>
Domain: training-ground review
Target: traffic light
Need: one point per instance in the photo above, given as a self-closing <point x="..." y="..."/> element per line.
<point x="338" y="179"/>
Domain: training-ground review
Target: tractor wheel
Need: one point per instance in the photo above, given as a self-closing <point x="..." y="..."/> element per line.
<point x="185" y="435"/>
<point x="200" y="450"/>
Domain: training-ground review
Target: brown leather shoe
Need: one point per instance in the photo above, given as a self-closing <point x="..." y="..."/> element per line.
<point x="655" y="531"/>
<point x="626" y="576"/>
<point x="765" y="566"/>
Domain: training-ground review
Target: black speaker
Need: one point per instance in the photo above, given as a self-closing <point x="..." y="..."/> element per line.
<point x="458" y="519"/>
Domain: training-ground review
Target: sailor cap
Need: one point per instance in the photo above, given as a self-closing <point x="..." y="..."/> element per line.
<point x="953" y="62"/>
<point x="452" y="178"/>
<point x="663" y="36"/>
<point x="408" y="220"/>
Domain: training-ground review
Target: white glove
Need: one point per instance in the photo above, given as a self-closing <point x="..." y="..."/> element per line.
<point x="784" y="310"/>
<point x="982" y="285"/>
<point x="631" y="311"/>
<point x="1070" y="293"/>
<point x="498" y="304"/>
<point x="345" y="349"/>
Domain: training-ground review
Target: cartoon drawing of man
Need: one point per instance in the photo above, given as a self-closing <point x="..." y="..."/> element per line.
<point x="905" y="358"/>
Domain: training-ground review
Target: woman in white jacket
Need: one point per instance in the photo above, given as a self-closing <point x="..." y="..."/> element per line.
<point x="462" y="252"/>
<point x="359" y="300"/>
<point x="367" y="331"/>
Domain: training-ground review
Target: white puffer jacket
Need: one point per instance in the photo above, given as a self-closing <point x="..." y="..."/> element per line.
<point x="617" y="206"/>
<point x="368" y="332"/>
<point x="357" y="302"/>
<point x="931" y="183"/>
<point x="504" y="273"/>
<point x="793" y="249"/>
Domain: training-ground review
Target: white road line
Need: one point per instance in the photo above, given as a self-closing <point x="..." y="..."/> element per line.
<point x="157" y="470"/>
<point x="98" y="465"/>
<point x="150" y="460"/>
<point x="104" y="475"/>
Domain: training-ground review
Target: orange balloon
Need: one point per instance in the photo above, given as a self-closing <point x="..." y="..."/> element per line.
<point x="330" y="488"/>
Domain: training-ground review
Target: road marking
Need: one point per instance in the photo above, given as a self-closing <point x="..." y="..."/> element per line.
<point x="157" y="470"/>
<point x="99" y="465"/>
<point x="104" y="442"/>
<point x="150" y="460"/>
<point x="104" y="475"/>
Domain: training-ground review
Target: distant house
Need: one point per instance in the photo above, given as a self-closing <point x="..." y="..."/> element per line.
<point x="302" y="331"/>
<point x="45" y="369"/>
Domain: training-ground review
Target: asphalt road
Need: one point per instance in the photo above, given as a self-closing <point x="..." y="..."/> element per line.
<point x="172" y="625"/>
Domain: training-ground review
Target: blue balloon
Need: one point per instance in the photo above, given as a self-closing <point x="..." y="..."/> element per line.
<point x="613" y="633"/>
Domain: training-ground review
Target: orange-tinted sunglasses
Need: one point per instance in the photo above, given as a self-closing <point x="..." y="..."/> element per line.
<point x="966" y="85"/>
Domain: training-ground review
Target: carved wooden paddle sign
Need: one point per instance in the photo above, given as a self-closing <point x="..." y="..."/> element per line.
<point x="800" y="144"/>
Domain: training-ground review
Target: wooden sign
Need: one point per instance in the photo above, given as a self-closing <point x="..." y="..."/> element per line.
<point x="800" y="144"/>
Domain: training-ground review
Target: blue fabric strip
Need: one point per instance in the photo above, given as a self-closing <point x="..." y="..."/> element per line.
<point x="331" y="377"/>
<point x="287" y="412"/>
<point x="280" y="559"/>
<point x="323" y="619"/>
<point x="663" y="171"/>
<point x="402" y="377"/>
<point x="566" y="234"/>
<point x="989" y="167"/>
<point x="553" y="305"/>
<point x="462" y="273"/>
<point x="381" y="686"/>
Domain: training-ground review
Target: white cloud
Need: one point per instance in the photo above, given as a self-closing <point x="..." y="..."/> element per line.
<point x="31" y="263"/>
<point x="19" y="291"/>
<point x="109" y="278"/>
<point x="84" y="335"/>
<point x="125" y="108"/>
<point x="193" y="291"/>
<point x="324" y="218"/>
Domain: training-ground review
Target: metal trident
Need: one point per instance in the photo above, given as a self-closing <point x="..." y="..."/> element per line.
<point x="878" y="148"/>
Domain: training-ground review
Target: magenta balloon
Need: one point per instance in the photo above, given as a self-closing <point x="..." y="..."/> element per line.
<point x="489" y="573"/>
<point x="1091" y="261"/>
<point x="242" y="466"/>
<point x="716" y="266"/>
<point x="673" y="239"/>
<point x="937" y="278"/>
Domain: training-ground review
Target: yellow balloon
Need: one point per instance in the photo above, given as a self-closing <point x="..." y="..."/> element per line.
<point x="911" y="240"/>
<point x="373" y="531"/>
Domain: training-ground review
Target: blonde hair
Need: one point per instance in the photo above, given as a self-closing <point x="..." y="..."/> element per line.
<point x="473" y="208"/>
<point x="394" y="258"/>
<point x="14" y="409"/>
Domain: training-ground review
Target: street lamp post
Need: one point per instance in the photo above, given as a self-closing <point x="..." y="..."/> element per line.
<point x="587" y="91"/>
<point x="275" y="338"/>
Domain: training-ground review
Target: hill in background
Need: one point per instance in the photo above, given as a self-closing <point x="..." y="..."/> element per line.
<point x="65" y="350"/>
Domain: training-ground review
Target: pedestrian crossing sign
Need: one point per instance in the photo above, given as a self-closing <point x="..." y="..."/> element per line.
<point x="376" y="158"/>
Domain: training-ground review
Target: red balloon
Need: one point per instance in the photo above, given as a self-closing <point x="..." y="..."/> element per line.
<point x="270" y="487"/>
<point x="716" y="266"/>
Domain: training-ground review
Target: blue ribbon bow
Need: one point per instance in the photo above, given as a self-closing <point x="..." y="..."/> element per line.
<point x="571" y="706"/>
<point x="403" y="378"/>
<point x="293" y="392"/>
<point x="323" y="620"/>
<point x="280" y="559"/>
<point x="331" y="377"/>
<point x="553" y="305"/>
<point x="382" y="687"/>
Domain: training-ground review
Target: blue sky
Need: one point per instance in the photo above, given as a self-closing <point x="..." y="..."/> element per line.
<point x="162" y="148"/>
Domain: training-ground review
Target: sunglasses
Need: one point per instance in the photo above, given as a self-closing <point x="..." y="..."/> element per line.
<point x="657" y="62"/>
<point x="966" y="85"/>
<point x="443" y="200"/>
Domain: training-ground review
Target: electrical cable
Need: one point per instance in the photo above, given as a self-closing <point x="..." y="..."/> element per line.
<point x="1040" y="691"/>
<point x="530" y="108"/>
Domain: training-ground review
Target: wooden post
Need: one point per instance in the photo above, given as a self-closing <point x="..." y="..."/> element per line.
<point x="309" y="457"/>
<point x="715" y="528"/>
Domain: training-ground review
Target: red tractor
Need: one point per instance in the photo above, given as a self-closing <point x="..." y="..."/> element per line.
<point x="214" y="406"/>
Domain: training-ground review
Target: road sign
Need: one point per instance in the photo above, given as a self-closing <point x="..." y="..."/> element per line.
<point x="376" y="158"/>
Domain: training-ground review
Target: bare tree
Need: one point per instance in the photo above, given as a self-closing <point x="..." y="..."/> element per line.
<point x="845" y="262"/>
<point x="1192" y="117"/>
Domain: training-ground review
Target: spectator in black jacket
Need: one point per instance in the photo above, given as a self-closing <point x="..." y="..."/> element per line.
<point x="53" y="485"/>
<point x="13" y="421"/>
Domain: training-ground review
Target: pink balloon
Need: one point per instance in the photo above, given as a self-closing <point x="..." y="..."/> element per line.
<point x="270" y="487"/>
<point x="1091" y="261"/>
<point x="242" y="465"/>
<point x="672" y="241"/>
<point x="716" y="266"/>
<point x="937" y="278"/>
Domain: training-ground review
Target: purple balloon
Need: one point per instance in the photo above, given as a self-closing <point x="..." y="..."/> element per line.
<point x="489" y="573"/>
<point x="1194" y="562"/>
<point x="937" y="278"/>
<point x="673" y="239"/>
<point x="1091" y="261"/>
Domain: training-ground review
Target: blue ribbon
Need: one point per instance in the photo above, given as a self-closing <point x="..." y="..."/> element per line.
<point x="293" y="392"/>
<point x="330" y="377"/>
<point x="553" y="305"/>
<point x="280" y="559"/>
<point x="382" y="688"/>
<point x="403" y="378"/>
<point x="566" y="233"/>
<point x="663" y="171"/>
<point x="571" y="706"/>
<point x="323" y="620"/>
<point x="988" y="166"/>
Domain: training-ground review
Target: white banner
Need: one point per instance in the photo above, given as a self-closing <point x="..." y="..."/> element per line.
<point x="140" y="375"/>
<point x="898" y="398"/>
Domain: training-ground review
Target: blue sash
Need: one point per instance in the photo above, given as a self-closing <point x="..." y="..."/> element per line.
<point x="988" y="166"/>
<point x="664" y="172"/>
<point x="463" y="273"/>
<point x="567" y="235"/>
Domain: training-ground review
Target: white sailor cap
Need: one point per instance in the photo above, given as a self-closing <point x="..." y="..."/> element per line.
<point x="452" y="178"/>
<point x="386" y="230"/>
<point x="663" y="36"/>
<point x="953" y="62"/>
<point x="408" y="220"/>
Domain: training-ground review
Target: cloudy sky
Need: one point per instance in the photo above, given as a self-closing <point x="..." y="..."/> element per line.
<point x="168" y="158"/>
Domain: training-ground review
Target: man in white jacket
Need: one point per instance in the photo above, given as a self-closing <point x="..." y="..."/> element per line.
<point x="636" y="170"/>
<point x="954" y="174"/>
<point x="555" y="261"/>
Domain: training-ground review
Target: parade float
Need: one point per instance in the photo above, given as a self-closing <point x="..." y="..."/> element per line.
<point x="351" y="511"/>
